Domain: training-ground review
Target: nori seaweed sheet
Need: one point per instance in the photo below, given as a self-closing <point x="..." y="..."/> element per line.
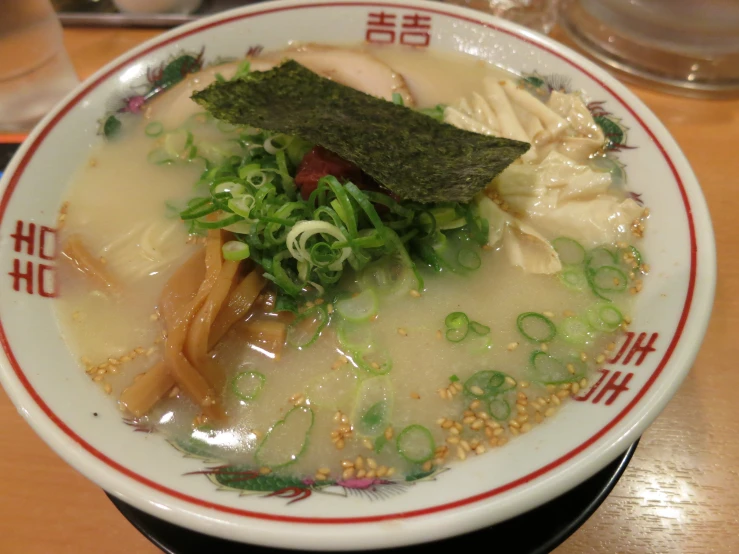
<point x="413" y="155"/>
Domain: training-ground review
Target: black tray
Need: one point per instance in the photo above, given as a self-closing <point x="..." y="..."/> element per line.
<point x="536" y="532"/>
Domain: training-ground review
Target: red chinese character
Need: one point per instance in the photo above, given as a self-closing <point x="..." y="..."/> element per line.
<point x="47" y="248"/>
<point x="416" y="30"/>
<point x="254" y="51"/>
<point x="29" y="238"/>
<point x="381" y="28"/>
<point x="47" y="285"/>
<point x="591" y="390"/>
<point x="614" y="387"/>
<point x="26" y="276"/>
<point x="637" y="348"/>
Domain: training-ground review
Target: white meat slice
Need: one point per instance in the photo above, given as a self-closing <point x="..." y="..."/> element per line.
<point x="353" y="68"/>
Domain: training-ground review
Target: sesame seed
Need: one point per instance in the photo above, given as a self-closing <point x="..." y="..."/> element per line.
<point x="324" y="470"/>
<point x="330" y="308"/>
<point x="469" y="419"/>
<point x="583" y="383"/>
<point x="477" y="425"/>
<point x="498" y="432"/>
<point x="457" y="385"/>
<point x="348" y="473"/>
<point x="415" y="294"/>
<point x="583" y="357"/>
<point x="359" y="462"/>
<point x="611" y="346"/>
<point x="319" y="301"/>
<point x="465" y="445"/>
<point x="389" y="433"/>
<point x="402" y="332"/>
<point x="368" y="444"/>
<point x="575" y="388"/>
<point x="474" y="404"/>
<point x="568" y="313"/>
<point x="514" y="431"/>
<point x="107" y="388"/>
<point x="563" y="393"/>
<point x="381" y="471"/>
<point x="454" y="431"/>
<point x="474" y="389"/>
<point x="371" y="473"/>
<point x="426" y="466"/>
<point x="555" y="400"/>
<point x="526" y="427"/>
<point x="452" y="440"/>
<point x="438" y="334"/>
<point x="320" y="477"/>
<point x="371" y="463"/>
<point x="390" y="471"/>
<point x="513" y="423"/>
<point x="544" y="347"/>
<point x="461" y="454"/>
<point x="512" y="346"/>
<point x="538" y="418"/>
<point x="550" y="412"/>
<point x="97" y="378"/>
<point x="600" y="359"/>
<point x="458" y="426"/>
<point x="347" y="463"/>
<point x="361" y="474"/>
<point x="523" y="384"/>
<point x="265" y="470"/>
<point x="339" y="444"/>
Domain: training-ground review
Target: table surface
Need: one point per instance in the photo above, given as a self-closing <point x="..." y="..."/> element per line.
<point x="679" y="494"/>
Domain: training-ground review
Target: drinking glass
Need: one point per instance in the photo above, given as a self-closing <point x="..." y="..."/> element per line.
<point x="539" y="15"/>
<point x="35" y="71"/>
<point x="684" y="46"/>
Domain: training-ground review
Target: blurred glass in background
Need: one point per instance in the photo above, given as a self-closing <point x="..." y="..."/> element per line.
<point x="684" y="46"/>
<point x="35" y="71"/>
<point x="538" y="15"/>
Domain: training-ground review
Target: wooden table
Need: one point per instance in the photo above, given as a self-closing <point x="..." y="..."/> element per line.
<point x="680" y="493"/>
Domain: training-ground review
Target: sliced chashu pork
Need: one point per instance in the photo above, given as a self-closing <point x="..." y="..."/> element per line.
<point x="353" y="68"/>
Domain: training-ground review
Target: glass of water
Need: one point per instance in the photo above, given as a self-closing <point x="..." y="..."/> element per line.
<point x="539" y="15"/>
<point x="35" y="71"/>
<point x="684" y="46"/>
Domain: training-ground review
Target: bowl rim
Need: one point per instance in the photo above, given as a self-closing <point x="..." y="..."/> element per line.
<point x="694" y="318"/>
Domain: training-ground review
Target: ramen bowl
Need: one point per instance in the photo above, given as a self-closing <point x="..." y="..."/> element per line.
<point x="624" y="395"/>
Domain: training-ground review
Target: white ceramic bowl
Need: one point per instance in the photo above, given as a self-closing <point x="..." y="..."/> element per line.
<point x="58" y="400"/>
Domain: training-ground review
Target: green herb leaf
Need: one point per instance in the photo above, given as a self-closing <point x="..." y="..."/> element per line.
<point x="413" y="155"/>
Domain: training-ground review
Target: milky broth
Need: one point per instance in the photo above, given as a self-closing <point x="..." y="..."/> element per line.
<point x="119" y="192"/>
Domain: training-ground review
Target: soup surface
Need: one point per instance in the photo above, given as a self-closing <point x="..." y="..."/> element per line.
<point x="398" y="367"/>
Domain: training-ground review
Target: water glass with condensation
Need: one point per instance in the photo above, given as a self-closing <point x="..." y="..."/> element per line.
<point x="539" y="15"/>
<point x="684" y="46"/>
<point x="35" y="70"/>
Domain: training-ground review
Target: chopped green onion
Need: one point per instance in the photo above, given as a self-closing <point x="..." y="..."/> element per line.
<point x="599" y="257"/>
<point x="484" y="384"/>
<point x="373" y="406"/>
<point x="398" y="99"/>
<point x="604" y="317"/>
<point x="153" y="129"/>
<point x="636" y="255"/>
<point x="248" y="384"/>
<point x="575" y="330"/>
<point x="235" y="250"/>
<point x="458" y="325"/>
<point x="358" y="308"/>
<point x="306" y="328"/>
<point x="549" y="370"/>
<point x="479" y="328"/>
<point x="574" y="278"/>
<point x="416" y="444"/>
<point x="608" y="279"/>
<point x="287" y="440"/>
<point x="468" y="258"/>
<point x="354" y="336"/>
<point x="372" y="359"/>
<point x="499" y="408"/>
<point x="159" y="156"/>
<point x="570" y="251"/>
<point x="453" y="379"/>
<point x="536" y="327"/>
